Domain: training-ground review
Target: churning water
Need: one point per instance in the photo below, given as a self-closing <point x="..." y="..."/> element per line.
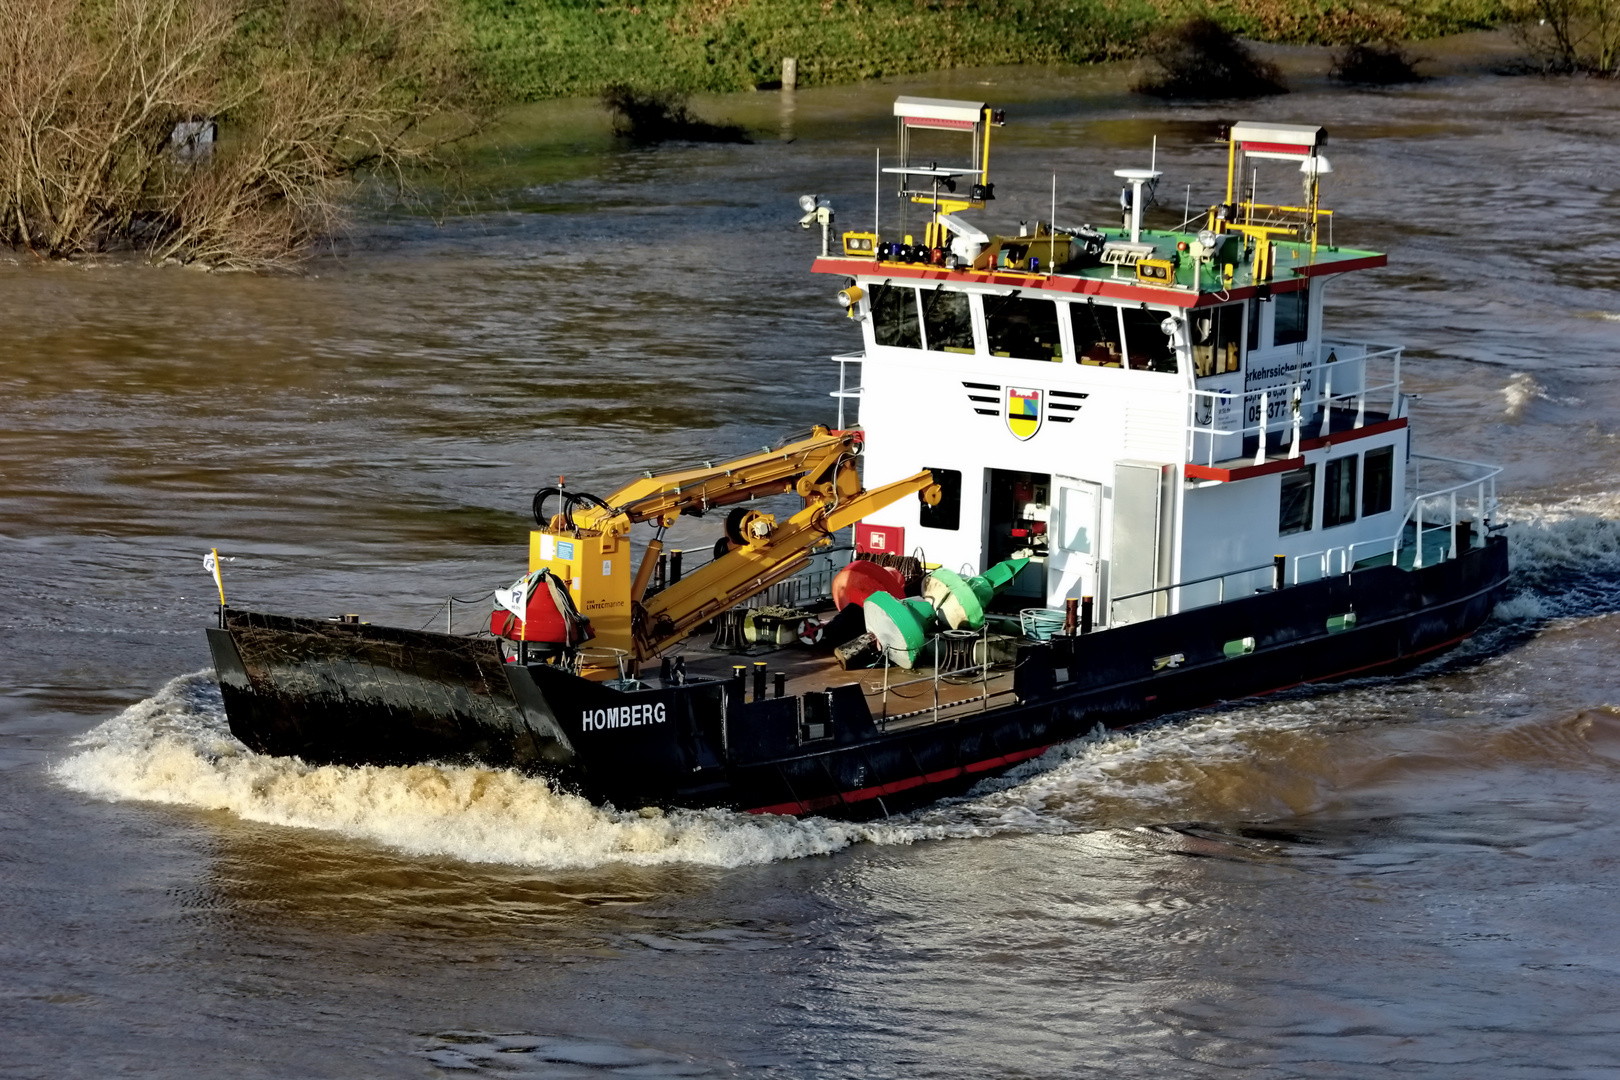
<point x="1395" y="877"/>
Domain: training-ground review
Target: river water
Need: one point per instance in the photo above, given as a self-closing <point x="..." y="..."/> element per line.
<point x="1412" y="876"/>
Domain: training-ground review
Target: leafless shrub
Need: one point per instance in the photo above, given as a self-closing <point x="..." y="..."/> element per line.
<point x="651" y="116"/>
<point x="1200" y="58"/>
<point x="1565" y="36"/>
<point x="1374" y="64"/>
<point x="308" y="97"/>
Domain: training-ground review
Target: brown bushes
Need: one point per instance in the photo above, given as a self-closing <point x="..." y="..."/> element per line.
<point x="307" y="98"/>
<point x="653" y="116"/>
<point x="1374" y="64"/>
<point x="1199" y="58"/>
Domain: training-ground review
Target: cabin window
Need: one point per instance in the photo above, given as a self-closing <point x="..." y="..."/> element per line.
<point x="1097" y="339"/>
<point x="1378" y="485"/>
<point x="1254" y="325"/>
<point x="894" y="316"/>
<point x="1339" y="491"/>
<point x="1291" y="324"/>
<point x="1294" y="512"/>
<point x="1216" y="334"/>
<point x="1024" y="329"/>
<point x="948" y="514"/>
<point x="1146" y="343"/>
<point x="948" y="321"/>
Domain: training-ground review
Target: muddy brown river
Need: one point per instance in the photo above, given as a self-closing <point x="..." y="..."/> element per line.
<point x="1398" y="877"/>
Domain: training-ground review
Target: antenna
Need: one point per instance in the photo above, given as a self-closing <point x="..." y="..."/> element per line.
<point x="1153" y="162"/>
<point x="1051" y="230"/>
<point x="877" y="191"/>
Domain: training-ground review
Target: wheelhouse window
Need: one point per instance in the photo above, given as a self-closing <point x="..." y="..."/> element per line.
<point x="1146" y="344"/>
<point x="1291" y="324"/>
<point x="1378" y="481"/>
<point x="1339" y="491"/>
<point x="1294" y="511"/>
<point x="1022" y="328"/>
<point x="1217" y="334"/>
<point x="948" y="514"/>
<point x="1097" y="339"/>
<point x="894" y="316"/>
<point x="948" y="321"/>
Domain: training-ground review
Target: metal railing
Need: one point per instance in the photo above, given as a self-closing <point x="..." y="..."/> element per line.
<point x="1341" y="560"/>
<point x="1336" y="378"/>
<point x="844" y="392"/>
<point x="1172" y="592"/>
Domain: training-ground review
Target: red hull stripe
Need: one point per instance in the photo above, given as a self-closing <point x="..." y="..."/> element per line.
<point x="943" y="125"/>
<point x="810" y="806"/>
<point x="822" y="802"/>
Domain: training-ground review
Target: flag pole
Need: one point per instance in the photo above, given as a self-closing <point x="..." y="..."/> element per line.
<point x="219" y="582"/>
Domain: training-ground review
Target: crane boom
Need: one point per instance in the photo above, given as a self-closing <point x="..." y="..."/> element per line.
<point x="587" y="544"/>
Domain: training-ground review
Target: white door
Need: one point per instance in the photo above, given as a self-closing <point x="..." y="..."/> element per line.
<point x="1071" y="562"/>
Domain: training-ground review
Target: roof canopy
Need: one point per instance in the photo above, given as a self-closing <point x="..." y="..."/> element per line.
<point x="921" y="112"/>
<point x="1290" y="141"/>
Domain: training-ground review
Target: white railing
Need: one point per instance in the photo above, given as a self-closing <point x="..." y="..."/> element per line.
<point x="1480" y="485"/>
<point x="843" y="393"/>
<point x="1336" y="379"/>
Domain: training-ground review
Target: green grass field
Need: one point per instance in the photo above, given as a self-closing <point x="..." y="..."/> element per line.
<point x="526" y="50"/>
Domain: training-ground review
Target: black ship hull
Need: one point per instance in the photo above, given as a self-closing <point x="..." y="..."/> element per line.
<point x="338" y="693"/>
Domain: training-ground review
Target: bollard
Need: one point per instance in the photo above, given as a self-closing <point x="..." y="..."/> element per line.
<point x="666" y="671"/>
<point x="1279" y="565"/>
<point x="1087" y="608"/>
<point x="663" y="570"/>
<point x="739" y="682"/>
<point x="781" y="684"/>
<point x="675" y="566"/>
<point x="1071" y="616"/>
<point x="759" y="680"/>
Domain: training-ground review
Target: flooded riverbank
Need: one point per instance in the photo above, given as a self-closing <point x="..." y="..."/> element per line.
<point x="1400" y="876"/>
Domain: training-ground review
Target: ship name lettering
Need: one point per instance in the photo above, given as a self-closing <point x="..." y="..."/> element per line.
<point x="623" y="716"/>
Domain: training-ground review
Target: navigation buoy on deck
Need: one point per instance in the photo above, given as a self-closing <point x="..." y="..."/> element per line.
<point x="961" y="601"/>
<point x="860" y="579"/>
<point x="901" y="626"/>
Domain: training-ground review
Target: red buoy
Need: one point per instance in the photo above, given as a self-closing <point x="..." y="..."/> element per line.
<point x="861" y="578"/>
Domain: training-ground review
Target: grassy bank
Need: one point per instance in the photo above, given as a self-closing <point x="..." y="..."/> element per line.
<point x="532" y="49"/>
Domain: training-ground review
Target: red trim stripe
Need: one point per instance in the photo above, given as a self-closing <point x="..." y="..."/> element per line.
<point x="1083" y="286"/>
<point x="933" y="122"/>
<point x="810" y="806"/>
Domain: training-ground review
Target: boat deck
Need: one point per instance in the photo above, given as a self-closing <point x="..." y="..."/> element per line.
<point x="897" y="697"/>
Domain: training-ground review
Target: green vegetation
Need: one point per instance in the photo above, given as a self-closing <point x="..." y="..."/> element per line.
<point x="532" y="49"/>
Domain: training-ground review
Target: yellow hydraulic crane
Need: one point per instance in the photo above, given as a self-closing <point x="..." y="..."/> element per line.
<point x="587" y="545"/>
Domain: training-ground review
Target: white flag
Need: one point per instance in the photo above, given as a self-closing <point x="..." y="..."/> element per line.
<point x="516" y="599"/>
<point x="211" y="564"/>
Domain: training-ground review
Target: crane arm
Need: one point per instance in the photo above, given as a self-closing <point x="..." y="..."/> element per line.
<point x="818" y="465"/>
<point x="772" y="555"/>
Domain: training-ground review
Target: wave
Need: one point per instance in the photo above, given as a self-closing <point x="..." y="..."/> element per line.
<point x="1523" y="391"/>
<point x="175" y="747"/>
<point x="1565" y="558"/>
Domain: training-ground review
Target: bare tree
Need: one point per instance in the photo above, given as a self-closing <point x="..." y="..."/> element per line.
<point x="1573" y="35"/>
<point x="108" y="110"/>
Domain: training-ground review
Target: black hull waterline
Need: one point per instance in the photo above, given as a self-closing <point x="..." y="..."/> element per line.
<point x="335" y="693"/>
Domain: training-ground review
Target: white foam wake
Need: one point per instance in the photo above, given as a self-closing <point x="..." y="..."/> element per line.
<point x="175" y="747"/>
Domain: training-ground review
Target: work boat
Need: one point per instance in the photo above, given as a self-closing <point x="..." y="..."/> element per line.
<point x="1096" y="475"/>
